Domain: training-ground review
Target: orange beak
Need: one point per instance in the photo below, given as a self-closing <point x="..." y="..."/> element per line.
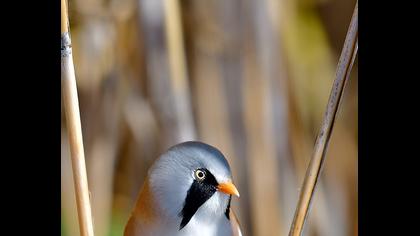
<point x="228" y="188"/>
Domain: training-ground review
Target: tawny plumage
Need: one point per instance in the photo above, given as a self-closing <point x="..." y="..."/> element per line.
<point x="187" y="192"/>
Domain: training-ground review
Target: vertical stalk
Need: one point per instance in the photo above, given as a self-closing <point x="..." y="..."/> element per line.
<point x="178" y="68"/>
<point x="344" y="66"/>
<point x="71" y="106"/>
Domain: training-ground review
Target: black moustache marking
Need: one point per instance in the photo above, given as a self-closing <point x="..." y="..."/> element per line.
<point x="228" y="208"/>
<point x="197" y="195"/>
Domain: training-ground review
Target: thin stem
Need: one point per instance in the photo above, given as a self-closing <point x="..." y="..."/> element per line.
<point x="178" y="68"/>
<point x="348" y="54"/>
<point x="71" y="106"/>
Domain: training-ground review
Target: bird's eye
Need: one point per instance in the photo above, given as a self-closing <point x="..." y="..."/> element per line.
<point x="199" y="175"/>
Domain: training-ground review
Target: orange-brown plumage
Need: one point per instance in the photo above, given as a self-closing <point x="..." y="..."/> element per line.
<point x="144" y="210"/>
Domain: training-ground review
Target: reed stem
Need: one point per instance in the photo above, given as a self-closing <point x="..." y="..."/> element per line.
<point x="71" y="106"/>
<point x="348" y="55"/>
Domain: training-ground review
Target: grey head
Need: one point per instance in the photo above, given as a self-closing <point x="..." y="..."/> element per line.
<point x="188" y="181"/>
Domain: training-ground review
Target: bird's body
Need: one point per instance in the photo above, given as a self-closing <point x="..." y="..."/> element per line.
<point x="187" y="192"/>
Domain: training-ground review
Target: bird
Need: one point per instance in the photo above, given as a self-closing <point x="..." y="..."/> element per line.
<point x="187" y="191"/>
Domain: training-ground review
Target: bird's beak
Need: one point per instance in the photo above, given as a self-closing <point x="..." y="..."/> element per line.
<point x="228" y="188"/>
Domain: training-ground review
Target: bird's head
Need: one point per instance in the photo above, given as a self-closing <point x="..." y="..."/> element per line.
<point x="192" y="179"/>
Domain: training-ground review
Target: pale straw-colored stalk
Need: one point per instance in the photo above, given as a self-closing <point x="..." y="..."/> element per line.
<point x="348" y="55"/>
<point x="71" y="107"/>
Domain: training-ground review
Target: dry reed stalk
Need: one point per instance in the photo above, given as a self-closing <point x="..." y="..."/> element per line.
<point x="344" y="66"/>
<point x="178" y="68"/>
<point x="166" y="74"/>
<point x="229" y="19"/>
<point x="263" y="169"/>
<point x="71" y="106"/>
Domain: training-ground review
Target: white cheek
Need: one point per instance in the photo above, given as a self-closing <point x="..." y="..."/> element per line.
<point x="216" y="205"/>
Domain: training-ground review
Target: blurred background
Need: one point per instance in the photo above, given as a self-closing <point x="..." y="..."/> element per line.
<point x="251" y="78"/>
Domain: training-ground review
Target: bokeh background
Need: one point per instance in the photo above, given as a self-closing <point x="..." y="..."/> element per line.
<point x="249" y="77"/>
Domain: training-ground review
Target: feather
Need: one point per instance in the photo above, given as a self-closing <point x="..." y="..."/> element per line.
<point x="236" y="228"/>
